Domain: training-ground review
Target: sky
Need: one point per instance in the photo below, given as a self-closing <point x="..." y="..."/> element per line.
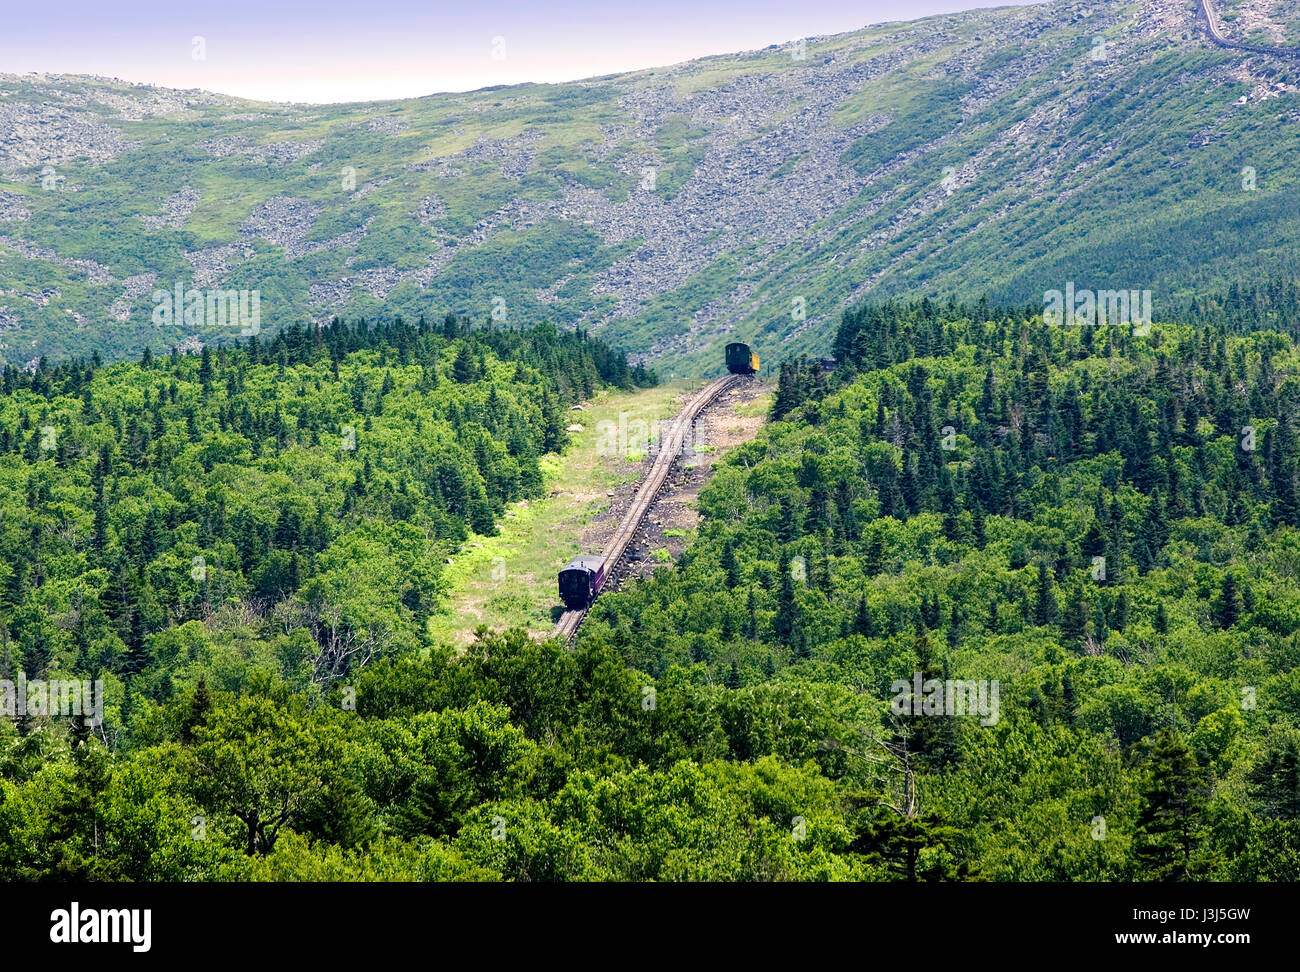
<point x="363" y="50"/>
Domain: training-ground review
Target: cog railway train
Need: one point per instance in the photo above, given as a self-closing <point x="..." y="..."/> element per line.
<point x="741" y="360"/>
<point x="582" y="577"/>
<point x="580" y="581"/>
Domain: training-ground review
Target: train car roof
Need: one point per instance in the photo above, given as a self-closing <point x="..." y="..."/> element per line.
<point x="588" y="561"/>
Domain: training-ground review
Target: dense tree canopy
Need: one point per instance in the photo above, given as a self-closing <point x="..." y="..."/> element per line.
<point x="243" y="546"/>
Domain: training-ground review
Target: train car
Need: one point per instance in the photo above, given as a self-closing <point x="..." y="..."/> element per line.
<point x="580" y="581"/>
<point x="741" y="360"/>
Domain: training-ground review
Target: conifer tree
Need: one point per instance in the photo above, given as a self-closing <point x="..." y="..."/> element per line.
<point x="1045" y="601"/>
<point x="1227" y="607"/>
<point x="464" y="369"/>
<point x="1275" y="777"/>
<point x="1172" y="826"/>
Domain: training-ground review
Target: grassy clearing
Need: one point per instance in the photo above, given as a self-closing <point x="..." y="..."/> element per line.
<point x="509" y="579"/>
<point x="761" y="405"/>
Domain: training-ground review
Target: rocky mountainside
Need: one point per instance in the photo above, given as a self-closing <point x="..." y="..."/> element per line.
<point x="748" y="196"/>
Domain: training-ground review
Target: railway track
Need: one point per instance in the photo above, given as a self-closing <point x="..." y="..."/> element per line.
<point x="669" y="451"/>
<point x="1216" y="35"/>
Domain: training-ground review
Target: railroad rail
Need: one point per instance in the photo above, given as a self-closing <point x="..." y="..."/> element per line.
<point x="1216" y="35"/>
<point x="669" y="450"/>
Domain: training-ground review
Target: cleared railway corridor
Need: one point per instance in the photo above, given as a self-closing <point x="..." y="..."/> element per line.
<point x="1211" y="19"/>
<point x="669" y="453"/>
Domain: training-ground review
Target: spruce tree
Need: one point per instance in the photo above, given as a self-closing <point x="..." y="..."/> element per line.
<point x="863" y="623"/>
<point x="733" y="677"/>
<point x="787" y="608"/>
<point x="1172" y="826"/>
<point x="1227" y="608"/>
<point x="730" y="565"/>
<point x="1274" y="779"/>
<point x="464" y="369"/>
<point x="1045" y="601"/>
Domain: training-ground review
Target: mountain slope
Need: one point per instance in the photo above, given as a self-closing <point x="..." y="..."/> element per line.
<point x="750" y="195"/>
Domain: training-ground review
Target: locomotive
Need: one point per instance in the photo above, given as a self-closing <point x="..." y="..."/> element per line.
<point x="580" y="581"/>
<point x="741" y="360"/>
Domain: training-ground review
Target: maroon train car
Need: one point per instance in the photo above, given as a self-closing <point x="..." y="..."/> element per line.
<point x="580" y="581"/>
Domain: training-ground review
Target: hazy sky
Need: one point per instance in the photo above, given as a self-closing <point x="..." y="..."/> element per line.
<point x="353" y="50"/>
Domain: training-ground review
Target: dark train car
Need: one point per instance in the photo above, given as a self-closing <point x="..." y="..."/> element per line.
<point x="580" y="581"/>
<point x="741" y="360"/>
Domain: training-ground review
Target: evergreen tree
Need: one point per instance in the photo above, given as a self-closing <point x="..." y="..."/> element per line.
<point x="1045" y="601"/>
<point x="1227" y="608"/>
<point x="730" y="566"/>
<point x="197" y="714"/>
<point x="464" y="369"/>
<point x="863" y="623"/>
<point x="733" y="677"/>
<point x="1275" y="777"/>
<point x="1172" y="826"/>
<point x="787" y="608"/>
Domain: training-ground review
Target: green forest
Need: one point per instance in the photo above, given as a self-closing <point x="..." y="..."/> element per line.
<point x="1099" y="528"/>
